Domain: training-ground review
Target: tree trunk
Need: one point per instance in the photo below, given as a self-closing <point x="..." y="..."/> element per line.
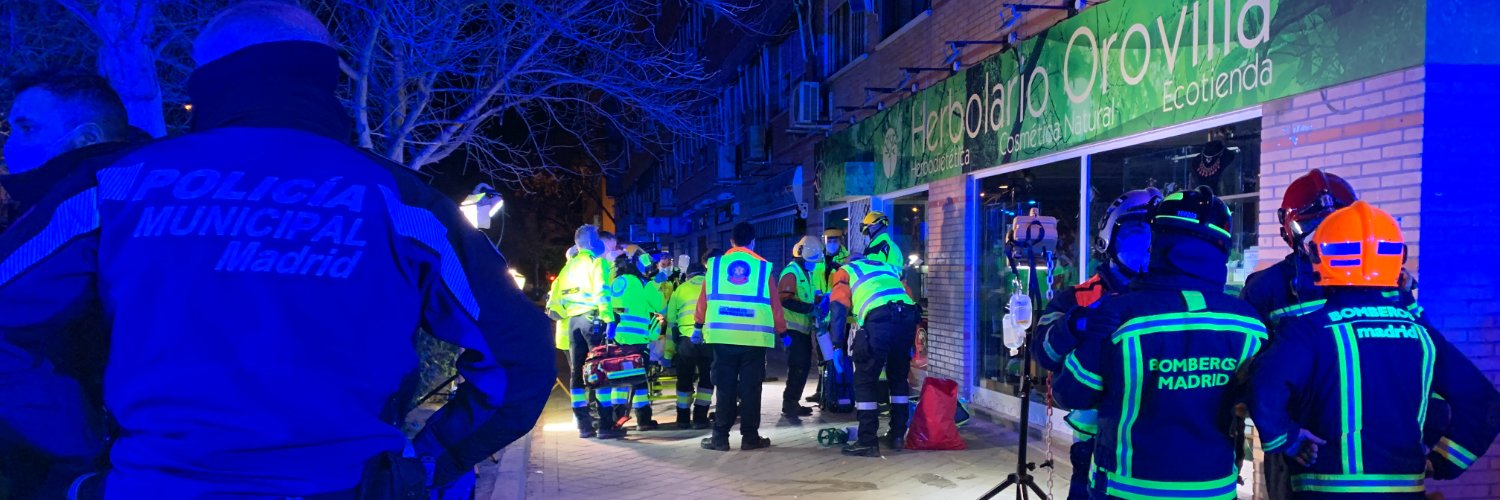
<point x="128" y="60"/>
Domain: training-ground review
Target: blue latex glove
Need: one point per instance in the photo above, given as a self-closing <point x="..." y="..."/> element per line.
<point x="1304" y="447"/>
<point x="786" y="340"/>
<point x="697" y="336"/>
<point x="609" y="333"/>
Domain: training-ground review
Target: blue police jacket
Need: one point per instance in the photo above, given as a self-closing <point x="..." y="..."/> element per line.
<point x="263" y="281"/>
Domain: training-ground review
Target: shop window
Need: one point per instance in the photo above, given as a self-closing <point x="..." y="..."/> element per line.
<point x="1052" y="190"/>
<point x="894" y="14"/>
<point x="1226" y="159"/>
<point x="909" y="232"/>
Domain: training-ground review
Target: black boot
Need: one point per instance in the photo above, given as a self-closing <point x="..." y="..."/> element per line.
<point x="643" y="420"/>
<point x="709" y="443"/>
<point x="609" y="426"/>
<point x="893" y="440"/>
<point x="684" y="418"/>
<point x="585" y="422"/>
<point x="701" y="418"/>
<point x="748" y="443"/>
<point x="871" y="449"/>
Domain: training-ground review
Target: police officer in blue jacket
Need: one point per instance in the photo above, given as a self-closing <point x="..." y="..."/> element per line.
<point x="1157" y="363"/>
<point x="1344" y="391"/>
<point x="238" y="265"/>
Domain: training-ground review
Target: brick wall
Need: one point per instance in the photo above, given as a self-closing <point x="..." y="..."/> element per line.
<point x="948" y="274"/>
<point x="1460" y="281"/>
<point x="1369" y="132"/>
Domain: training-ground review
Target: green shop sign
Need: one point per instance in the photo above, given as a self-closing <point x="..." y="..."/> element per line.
<point x="1116" y="69"/>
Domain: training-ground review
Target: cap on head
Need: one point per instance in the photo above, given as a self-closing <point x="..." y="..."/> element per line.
<point x="256" y="22"/>
<point x="1198" y="213"/>
<point x="1358" y="245"/>
<point x="833" y="233"/>
<point x="1308" y="200"/>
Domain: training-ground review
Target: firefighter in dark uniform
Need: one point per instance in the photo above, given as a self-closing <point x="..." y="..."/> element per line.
<point x="1158" y="362"/>
<point x="1344" y="391"/>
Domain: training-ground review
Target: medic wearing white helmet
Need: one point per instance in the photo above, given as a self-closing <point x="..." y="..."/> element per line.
<point x="1124" y="243"/>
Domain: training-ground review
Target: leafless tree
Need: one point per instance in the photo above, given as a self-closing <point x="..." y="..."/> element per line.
<point x="514" y="85"/>
<point x="142" y="47"/>
<point x="430" y="78"/>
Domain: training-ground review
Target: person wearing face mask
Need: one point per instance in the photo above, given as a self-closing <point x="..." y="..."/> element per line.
<point x="1125" y="246"/>
<point x="835" y="254"/>
<point x="798" y="299"/>
<point x="58" y="121"/>
<point x="635" y="303"/>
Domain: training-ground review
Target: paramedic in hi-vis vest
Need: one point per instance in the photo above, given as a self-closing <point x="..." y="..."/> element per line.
<point x="799" y="296"/>
<point x="739" y="315"/>
<point x="634" y="303"/>
<point x="579" y="304"/>
<point x="886" y="319"/>
<point x="693" y="361"/>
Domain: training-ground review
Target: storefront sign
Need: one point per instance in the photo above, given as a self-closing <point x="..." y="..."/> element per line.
<point x="1121" y="68"/>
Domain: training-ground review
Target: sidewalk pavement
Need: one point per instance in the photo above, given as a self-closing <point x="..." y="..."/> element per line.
<point x="669" y="463"/>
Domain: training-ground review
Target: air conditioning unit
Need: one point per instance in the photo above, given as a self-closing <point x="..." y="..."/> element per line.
<point x="807" y="104"/>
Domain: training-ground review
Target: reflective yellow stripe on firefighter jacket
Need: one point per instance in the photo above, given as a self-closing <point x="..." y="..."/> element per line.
<point x="739" y="302"/>
<point x="684" y="304"/>
<point x="872" y="285"/>
<point x="794" y="320"/>
<point x="634" y="303"/>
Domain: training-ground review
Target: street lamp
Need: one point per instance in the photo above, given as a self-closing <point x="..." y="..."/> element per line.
<point x="482" y="205"/>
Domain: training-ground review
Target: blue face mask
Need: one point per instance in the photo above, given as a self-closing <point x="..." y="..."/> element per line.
<point x="833" y="247"/>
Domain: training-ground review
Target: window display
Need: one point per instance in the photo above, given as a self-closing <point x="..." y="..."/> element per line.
<point x="1226" y="159"/>
<point x="1053" y="190"/>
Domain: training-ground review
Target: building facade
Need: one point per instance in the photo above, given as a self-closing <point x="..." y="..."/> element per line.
<point x="957" y="116"/>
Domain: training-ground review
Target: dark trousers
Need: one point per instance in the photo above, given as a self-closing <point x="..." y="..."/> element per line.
<point x="884" y="343"/>
<point x="738" y="374"/>
<point x="694" y="363"/>
<point x="1277" y="476"/>
<point x="798" y="363"/>
<point x="581" y="328"/>
<point x="1081" y="454"/>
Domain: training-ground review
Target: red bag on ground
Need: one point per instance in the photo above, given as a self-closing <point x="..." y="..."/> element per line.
<point x="932" y="426"/>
